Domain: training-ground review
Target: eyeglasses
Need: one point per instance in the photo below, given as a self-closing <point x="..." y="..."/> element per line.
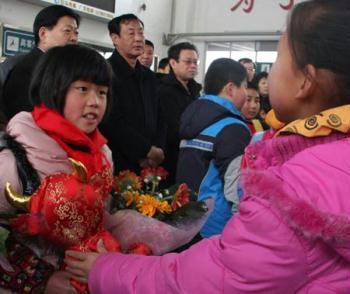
<point x="189" y="61"/>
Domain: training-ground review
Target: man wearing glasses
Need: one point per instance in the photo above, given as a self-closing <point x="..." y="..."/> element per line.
<point x="177" y="90"/>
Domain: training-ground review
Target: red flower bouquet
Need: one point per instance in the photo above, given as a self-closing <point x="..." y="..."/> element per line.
<point x="162" y="219"/>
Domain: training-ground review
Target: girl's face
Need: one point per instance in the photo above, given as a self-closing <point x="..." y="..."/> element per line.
<point x="263" y="87"/>
<point x="284" y="83"/>
<point x="85" y="105"/>
<point x="251" y="106"/>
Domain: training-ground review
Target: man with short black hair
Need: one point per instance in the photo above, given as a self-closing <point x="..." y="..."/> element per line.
<point x="146" y="58"/>
<point x="163" y="69"/>
<point x="177" y="90"/>
<point x="134" y="128"/>
<point x="214" y="134"/>
<point x="54" y="25"/>
<point x="163" y="66"/>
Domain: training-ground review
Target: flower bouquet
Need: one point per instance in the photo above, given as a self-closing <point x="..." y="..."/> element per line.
<point x="144" y="213"/>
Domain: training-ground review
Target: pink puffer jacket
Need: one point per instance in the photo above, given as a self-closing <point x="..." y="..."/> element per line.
<point x="291" y="235"/>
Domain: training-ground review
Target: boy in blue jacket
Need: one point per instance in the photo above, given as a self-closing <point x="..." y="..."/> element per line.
<point x="214" y="135"/>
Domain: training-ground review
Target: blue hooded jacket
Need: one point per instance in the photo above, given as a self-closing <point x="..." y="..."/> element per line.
<point x="213" y="134"/>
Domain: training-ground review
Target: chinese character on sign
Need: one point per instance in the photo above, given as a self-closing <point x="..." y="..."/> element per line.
<point x="287" y="6"/>
<point x="12" y="43"/>
<point x="29" y="44"/>
<point x="23" y="43"/>
<point x="249" y="5"/>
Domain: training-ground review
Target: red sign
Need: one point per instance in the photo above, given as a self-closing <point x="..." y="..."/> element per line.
<point x="249" y="5"/>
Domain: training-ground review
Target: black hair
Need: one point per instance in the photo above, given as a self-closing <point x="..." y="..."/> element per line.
<point x="149" y="43"/>
<point x="114" y="25"/>
<point x="222" y="71"/>
<point x="60" y="66"/>
<point x="246" y="60"/>
<point x="252" y="86"/>
<point x="174" y="51"/>
<point x="258" y="77"/>
<point x="49" y="16"/>
<point x="163" y="63"/>
<point x="319" y="34"/>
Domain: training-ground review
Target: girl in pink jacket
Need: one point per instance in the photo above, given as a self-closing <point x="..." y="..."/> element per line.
<point x="292" y="231"/>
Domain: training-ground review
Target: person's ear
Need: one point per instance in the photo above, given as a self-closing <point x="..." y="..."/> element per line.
<point x="307" y="82"/>
<point x="114" y="38"/>
<point x="42" y="34"/>
<point x="172" y="62"/>
<point x="229" y="89"/>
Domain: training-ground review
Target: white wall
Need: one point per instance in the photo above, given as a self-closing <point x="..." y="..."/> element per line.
<point x="216" y="16"/>
<point x="218" y="23"/>
<point x="156" y="17"/>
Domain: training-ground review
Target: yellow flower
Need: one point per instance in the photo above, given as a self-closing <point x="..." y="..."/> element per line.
<point x="164" y="207"/>
<point x="147" y="205"/>
<point x="130" y="197"/>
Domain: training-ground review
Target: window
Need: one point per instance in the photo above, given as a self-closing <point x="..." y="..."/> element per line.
<point x="263" y="53"/>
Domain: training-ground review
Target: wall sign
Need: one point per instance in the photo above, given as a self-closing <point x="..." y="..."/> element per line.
<point x="16" y="41"/>
<point x="102" y="9"/>
<point x="91" y="10"/>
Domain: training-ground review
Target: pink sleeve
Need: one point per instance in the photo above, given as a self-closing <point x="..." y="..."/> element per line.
<point x="260" y="253"/>
<point x="256" y="253"/>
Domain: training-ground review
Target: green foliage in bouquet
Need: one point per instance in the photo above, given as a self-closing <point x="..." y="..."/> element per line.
<point x="4" y="233"/>
<point x="142" y="193"/>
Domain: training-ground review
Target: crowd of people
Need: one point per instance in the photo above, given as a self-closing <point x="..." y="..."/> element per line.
<point x="266" y="152"/>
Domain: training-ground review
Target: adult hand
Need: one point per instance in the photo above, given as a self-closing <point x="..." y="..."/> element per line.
<point x="79" y="264"/>
<point x="156" y="155"/>
<point x="59" y="283"/>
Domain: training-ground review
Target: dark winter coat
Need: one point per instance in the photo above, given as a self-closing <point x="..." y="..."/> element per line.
<point x="174" y="98"/>
<point x="16" y="88"/>
<point x="134" y="123"/>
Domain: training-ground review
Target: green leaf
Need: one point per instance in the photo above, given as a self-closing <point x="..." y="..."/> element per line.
<point x="3" y="237"/>
<point x="118" y="202"/>
<point x="190" y="211"/>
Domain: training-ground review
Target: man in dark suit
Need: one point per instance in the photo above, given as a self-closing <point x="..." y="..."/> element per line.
<point x="177" y="90"/>
<point x="134" y="129"/>
<point x="54" y="25"/>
